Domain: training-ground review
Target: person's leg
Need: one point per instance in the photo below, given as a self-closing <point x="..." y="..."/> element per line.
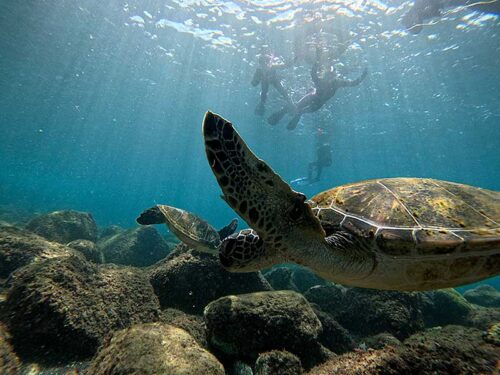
<point x="259" y="110"/>
<point x="278" y="85"/>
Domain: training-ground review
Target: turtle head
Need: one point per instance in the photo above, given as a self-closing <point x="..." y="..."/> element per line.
<point x="280" y="215"/>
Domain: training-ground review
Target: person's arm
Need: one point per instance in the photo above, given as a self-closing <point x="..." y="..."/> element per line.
<point x="352" y="82"/>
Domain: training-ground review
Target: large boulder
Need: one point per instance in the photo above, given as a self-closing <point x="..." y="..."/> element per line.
<point x="280" y="278"/>
<point x="244" y="326"/>
<point x="278" y="362"/>
<point x="88" y="249"/>
<point x="193" y="324"/>
<point x="68" y="305"/>
<point x="9" y="363"/>
<point x="330" y="298"/>
<point x="20" y="247"/>
<point x="153" y="348"/>
<point x="141" y="246"/>
<point x="333" y="336"/>
<point x="483" y="317"/>
<point x="450" y="350"/>
<point x="368" y="312"/>
<point x="483" y="295"/>
<point x="191" y="280"/>
<point x="445" y="306"/>
<point x="64" y="226"/>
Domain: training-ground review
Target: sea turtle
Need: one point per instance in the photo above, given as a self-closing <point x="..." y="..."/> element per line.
<point x="392" y="233"/>
<point x="187" y="227"/>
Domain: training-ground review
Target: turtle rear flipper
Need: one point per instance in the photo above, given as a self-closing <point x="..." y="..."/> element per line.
<point x="150" y="216"/>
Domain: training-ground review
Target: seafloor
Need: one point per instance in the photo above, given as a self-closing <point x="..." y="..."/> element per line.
<point x="78" y="299"/>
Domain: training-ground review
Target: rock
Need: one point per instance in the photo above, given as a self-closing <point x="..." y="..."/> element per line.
<point x="333" y="336"/>
<point x="329" y="298"/>
<point x="110" y="231"/>
<point x="64" y="226"/>
<point x="191" y="280"/>
<point x="484" y="295"/>
<point x="483" y="317"/>
<point x="142" y="246"/>
<point x="193" y="324"/>
<point x="446" y="306"/>
<point x="88" y="249"/>
<point x="278" y="362"/>
<point x="19" y="248"/>
<point x="492" y="335"/>
<point x="244" y="326"/>
<point x="280" y="278"/>
<point x="153" y="348"/>
<point x="304" y="279"/>
<point x="9" y="363"/>
<point x="380" y="341"/>
<point x="368" y="312"/>
<point x="67" y="306"/>
<point x="449" y="350"/>
<point x="373" y="362"/>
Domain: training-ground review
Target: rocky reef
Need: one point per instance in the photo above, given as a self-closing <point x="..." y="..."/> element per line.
<point x="125" y="301"/>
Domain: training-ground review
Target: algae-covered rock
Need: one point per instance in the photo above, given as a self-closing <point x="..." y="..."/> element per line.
<point x="445" y="306"/>
<point x="483" y="317"/>
<point x="88" y="249"/>
<point x="142" y="246"/>
<point x="64" y="226"/>
<point x="153" y="348"/>
<point x="280" y="278"/>
<point x="277" y="362"/>
<point x="373" y="362"/>
<point x="368" y="312"/>
<point x="330" y="298"/>
<point x="380" y="341"/>
<point x="244" y="326"/>
<point x="450" y="350"/>
<point x="68" y="305"/>
<point x="110" y="231"/>
<point x="304" y="279"/>
<point x="20" y="247"/>
<point x="483" y="295"/>
<point x="492" y="335"/>
<point x="9" y="363"/>
<point x="191" y="280"/>
<point x="193" y="324"/>
<point x="333" y="336"/>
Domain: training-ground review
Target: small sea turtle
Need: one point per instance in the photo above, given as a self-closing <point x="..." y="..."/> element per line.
<point x="394" y="233"/>
<point x="187" y="227"/>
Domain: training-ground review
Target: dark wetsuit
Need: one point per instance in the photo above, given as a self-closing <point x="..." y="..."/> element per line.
<point x="267" y="75"/>
<point x="324" y="159"/>
<point x="324" y="90"/>
<point x="423" y="10"/>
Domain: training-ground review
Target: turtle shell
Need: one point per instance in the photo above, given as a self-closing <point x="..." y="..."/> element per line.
<point x="413" y="216"/>
<point x="190" y="229"/>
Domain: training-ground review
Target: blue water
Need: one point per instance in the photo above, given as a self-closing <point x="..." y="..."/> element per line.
<point x="101" y="102"/>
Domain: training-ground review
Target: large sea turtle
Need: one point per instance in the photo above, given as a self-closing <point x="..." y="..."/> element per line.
<point x="391" y="233"/>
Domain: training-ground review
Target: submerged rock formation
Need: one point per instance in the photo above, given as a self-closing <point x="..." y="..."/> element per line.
<point x="483" y="295"/>
<point x="88" y="249"/>
<point x="20" y="247"/>
<point x="141" y="246"/>
<point x="280" y="278"/>
<point x="153" y="348"/>
<point x="64" y="226"/>
<point x="191" y="280"/>
<point x="277" y="362"/>
<point x="67" y="306"/>
<point x="244" y="326"/>
<point x="443" y="307"/>
<point x="9" y="363"/>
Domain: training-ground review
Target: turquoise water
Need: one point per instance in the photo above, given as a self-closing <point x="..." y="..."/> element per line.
<point x="101" y="102"/>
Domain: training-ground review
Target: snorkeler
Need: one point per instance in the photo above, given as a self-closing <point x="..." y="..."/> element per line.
<point x="424" y="10"/>
<point x="324" y="89"/>
<point x="267" y="74"/>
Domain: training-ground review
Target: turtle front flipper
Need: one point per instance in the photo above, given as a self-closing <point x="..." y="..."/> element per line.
<point x="228" y="229"/>
<point x="245" y="251"/>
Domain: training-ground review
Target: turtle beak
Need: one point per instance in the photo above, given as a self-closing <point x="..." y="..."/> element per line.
<point x="250" y="186"/>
